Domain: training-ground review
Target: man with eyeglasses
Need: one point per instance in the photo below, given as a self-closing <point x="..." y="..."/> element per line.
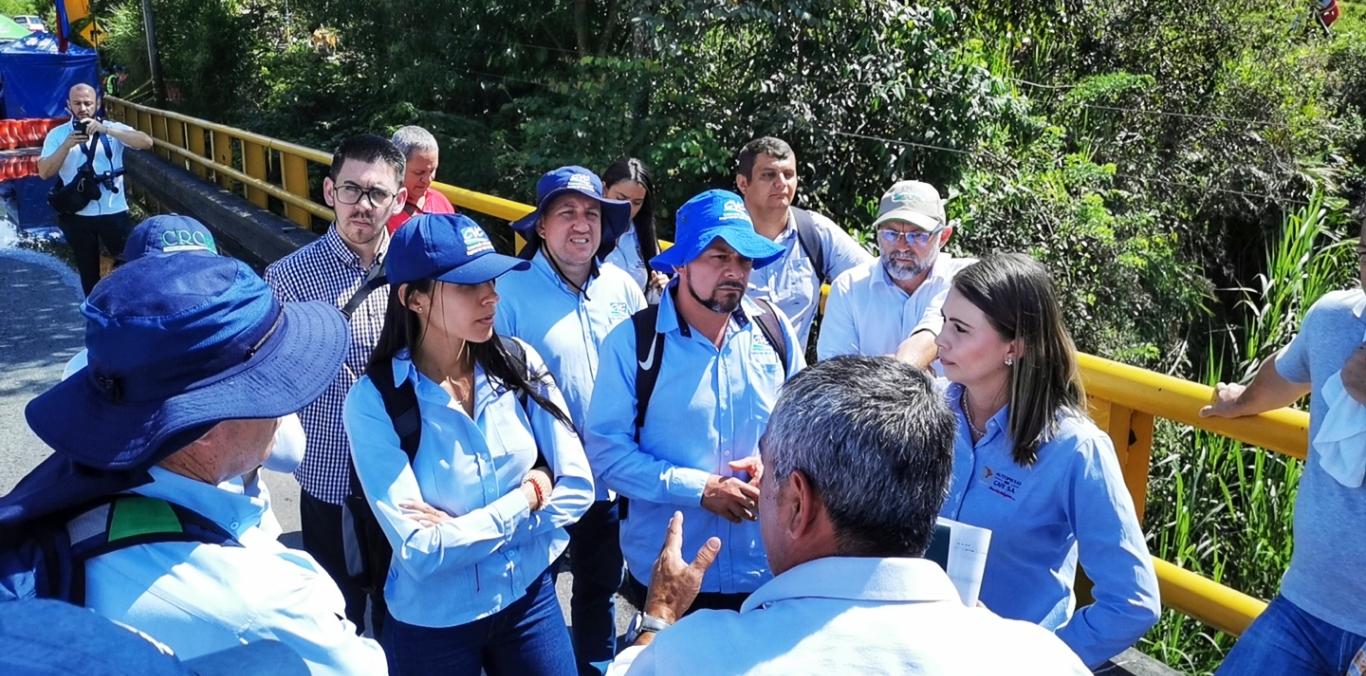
<point x="890" y="306"/>
<point x="365" y="188"/>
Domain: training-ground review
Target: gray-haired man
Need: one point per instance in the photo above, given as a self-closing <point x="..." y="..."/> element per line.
<point x="856" y="458"/>
<point x="422" y="156"/>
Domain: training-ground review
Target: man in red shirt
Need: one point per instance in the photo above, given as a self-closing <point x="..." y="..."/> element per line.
<point x="419" y="147"/>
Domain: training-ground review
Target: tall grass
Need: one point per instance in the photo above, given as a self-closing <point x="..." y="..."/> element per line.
<point x="1216" y="506"/>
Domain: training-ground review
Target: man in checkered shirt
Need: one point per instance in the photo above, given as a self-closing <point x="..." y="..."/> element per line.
<point x="365" y="188"/>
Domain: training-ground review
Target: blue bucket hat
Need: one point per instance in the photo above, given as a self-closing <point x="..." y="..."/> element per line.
<point x="178" y="344"/>
<point x="616" y="214"/>
<point x="169" y="234"/>
<point x="711" y="215"/>
<point x="446" y="247"/>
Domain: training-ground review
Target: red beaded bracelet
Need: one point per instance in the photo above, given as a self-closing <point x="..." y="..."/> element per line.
<point x="540" y="496"/>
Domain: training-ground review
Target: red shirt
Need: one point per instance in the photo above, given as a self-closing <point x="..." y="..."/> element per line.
<point x="436" y="204"/>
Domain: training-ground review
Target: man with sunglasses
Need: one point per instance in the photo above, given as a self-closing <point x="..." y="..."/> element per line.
<point x="890" y="306"/>
<point x="365" y="188"/>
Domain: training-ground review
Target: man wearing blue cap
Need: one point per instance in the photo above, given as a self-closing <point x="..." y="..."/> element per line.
<point x="717" y="374"/>
<point x="564" y="306"/>
<point x="192" y="362"/>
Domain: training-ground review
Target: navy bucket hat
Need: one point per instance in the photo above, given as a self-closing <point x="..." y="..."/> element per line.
<point x="711" y="215"/>
<point x="616" y="214"/>
<point x="178" y="344"/>
<point x="169" y="234"/>
<point x="445" y="247"/>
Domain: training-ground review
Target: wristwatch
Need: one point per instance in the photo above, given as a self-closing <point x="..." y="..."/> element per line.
<point x="642" y="623"/>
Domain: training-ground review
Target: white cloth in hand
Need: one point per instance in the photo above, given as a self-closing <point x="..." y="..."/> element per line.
<point x="1341" y="439"/>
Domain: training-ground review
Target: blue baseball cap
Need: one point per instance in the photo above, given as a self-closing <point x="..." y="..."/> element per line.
<point x="711" y="215"/>
<point x="176" y="345"/>
<point x="169" y="234"/>
<point x="446" y="247"/>
<point x="616" y="214"/>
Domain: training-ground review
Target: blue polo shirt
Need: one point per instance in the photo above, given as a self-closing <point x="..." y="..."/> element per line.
<point x="709" y="407"/>
<point x="565" y="326"/>
<point x="1072" y="502"/>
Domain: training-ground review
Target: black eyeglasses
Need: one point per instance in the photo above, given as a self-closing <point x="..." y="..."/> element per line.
<point x="351" y="194"/>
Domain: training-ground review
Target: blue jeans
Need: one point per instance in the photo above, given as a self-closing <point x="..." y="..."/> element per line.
<point x="527" y="637"/>
<point x="1287" y="640"/>
<point x="595" y="561"/>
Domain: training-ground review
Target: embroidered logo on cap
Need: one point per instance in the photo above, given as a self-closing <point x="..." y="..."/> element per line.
<point x="732" y="210"/>
<point x="581" y="182"/>
<point x="476" y="241"/>
<point x="181" y="239"/>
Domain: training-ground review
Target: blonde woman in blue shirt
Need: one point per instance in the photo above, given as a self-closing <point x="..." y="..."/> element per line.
<point x="1031" y="466"/>
<point x="479" y="515"/>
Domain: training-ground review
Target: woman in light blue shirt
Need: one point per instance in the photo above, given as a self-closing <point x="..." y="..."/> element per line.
<point x="478" y="516"/>
<point x="1031" y="466"/>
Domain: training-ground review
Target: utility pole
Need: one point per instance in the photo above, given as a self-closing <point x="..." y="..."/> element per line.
<point x="153" y="56"/>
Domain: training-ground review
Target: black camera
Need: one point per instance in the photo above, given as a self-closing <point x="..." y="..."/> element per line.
<point x="81" y="126"/>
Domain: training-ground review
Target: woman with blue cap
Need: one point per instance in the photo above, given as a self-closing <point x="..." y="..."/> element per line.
<point x="1032" y="467"/>
<point x="478" y="516"/>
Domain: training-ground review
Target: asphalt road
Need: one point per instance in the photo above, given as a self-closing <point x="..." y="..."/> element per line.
<point x="40" y="330"/>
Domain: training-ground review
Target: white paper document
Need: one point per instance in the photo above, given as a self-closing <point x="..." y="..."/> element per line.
<point x="961" y="550"/>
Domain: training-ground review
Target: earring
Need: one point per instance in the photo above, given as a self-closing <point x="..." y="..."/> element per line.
<point x="1010" y="361"/>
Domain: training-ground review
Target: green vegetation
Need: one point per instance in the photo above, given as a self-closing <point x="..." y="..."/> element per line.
<point x="1156" y="155"/>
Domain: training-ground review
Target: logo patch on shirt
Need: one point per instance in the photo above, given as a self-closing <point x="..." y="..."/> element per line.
<point x="763" y="353"/>
<point x="1000" y="483"/>
<point x="618" y="310"/>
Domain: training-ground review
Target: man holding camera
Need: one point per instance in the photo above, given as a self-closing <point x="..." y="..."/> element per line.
<point x="87" y="156"/>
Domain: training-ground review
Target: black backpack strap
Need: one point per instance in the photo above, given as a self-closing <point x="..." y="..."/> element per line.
<point x="127" y="520"/>
<point x="772" y="328"/>
<point x="400" y="402"/>
<point x="809" y="238"/>
<point x="373" y="280"/>
<point x="649" y="350"/>
<point x="517" y="356"/>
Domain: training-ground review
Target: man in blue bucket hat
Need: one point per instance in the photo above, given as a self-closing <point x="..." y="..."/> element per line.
<point x="192" y="362"/>
<point x="564" y="306"/>
<point x="682" y="396"/>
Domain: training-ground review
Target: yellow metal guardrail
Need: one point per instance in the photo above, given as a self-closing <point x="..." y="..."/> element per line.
<point x="260" y="167"/>
<point x="1124" y="400"/>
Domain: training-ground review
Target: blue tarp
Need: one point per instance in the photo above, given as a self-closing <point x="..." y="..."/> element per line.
<point x="37" y="78"/>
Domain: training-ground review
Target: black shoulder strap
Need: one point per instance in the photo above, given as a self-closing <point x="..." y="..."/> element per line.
<point x="373" y="280"/>
<point x="649" y="350"/>
<point x="517" y="355"/>
<point x="126" y="520"/>
<point x="772" y="328"/>
<point x="809" y="237"/>
<point x="400" y="402"/>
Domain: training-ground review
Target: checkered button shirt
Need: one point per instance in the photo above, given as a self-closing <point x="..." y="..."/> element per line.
<point x="326" y="270"/>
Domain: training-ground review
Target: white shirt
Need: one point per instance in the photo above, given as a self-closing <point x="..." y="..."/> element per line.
<point x="109" y="202"/>
<point x="841" y="615"/>
<point x="868" y="314"/>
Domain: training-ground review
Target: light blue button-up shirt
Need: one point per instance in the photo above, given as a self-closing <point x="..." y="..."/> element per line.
<point x="709" y="407"/>
<point x="200" y="598"/>
<point x="1071" y="502"/>
<point x="865" y="615"/>
<point x="627" y="257"/>
<point x="565" y="326"/>
<point x="793" y="283"/>
<point x="484" y="558"/>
